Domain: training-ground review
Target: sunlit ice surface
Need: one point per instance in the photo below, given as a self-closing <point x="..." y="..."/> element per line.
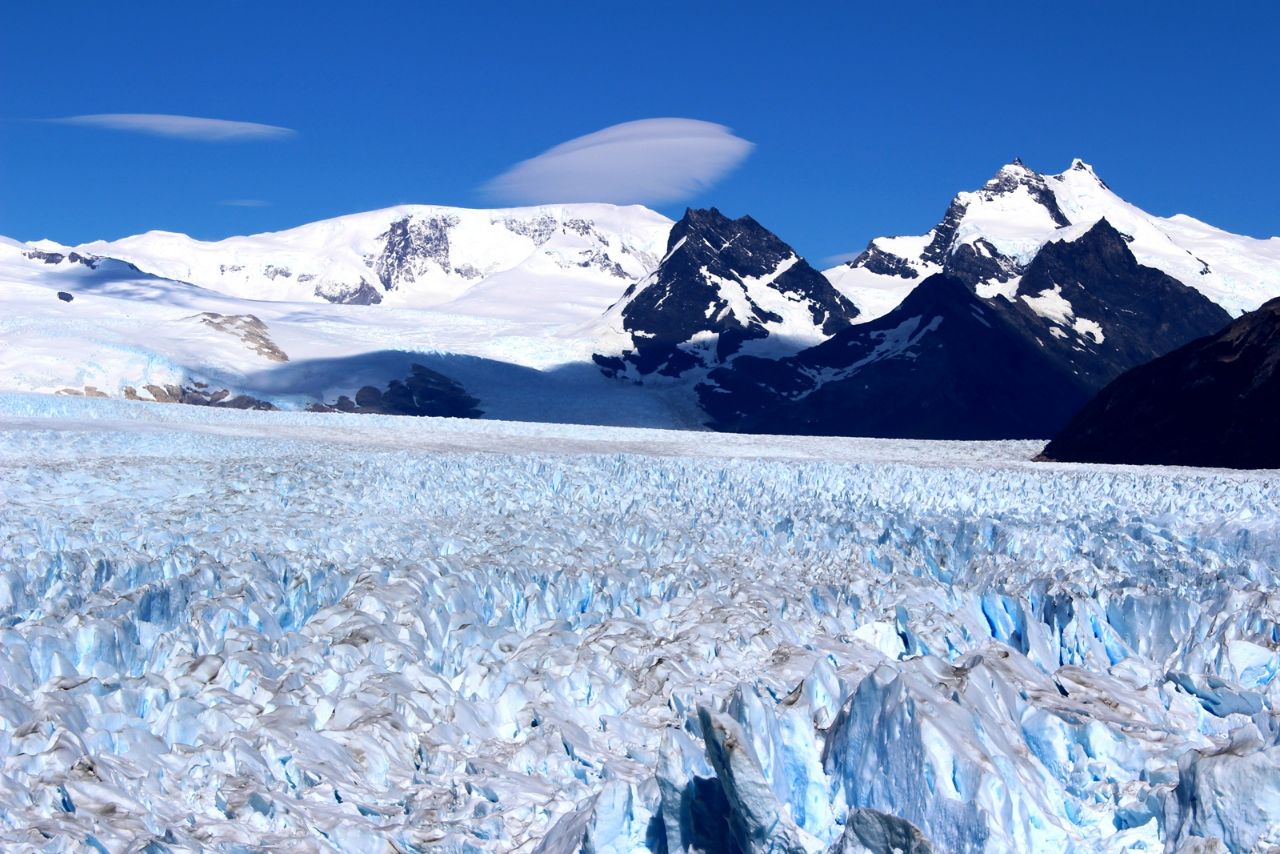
<point x="243" y="631"/>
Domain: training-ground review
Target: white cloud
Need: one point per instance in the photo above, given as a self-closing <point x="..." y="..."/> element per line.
<point x="838" y="259"/>
<point x="245" y="203"/>
<point x="183" y="127"/>
<point x="647" y="161"/>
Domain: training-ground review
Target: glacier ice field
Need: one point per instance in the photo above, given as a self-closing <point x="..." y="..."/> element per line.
<point x="242" y="631"/>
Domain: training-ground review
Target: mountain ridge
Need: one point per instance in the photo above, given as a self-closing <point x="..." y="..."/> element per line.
<point x="538" y="312"/>
<point x="414" y="255"/>
<point x="953" y="362"/>
<point x="987" y="236"/>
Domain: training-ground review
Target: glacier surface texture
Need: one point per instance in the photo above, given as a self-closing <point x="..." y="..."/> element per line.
<point x="250" y="631"/>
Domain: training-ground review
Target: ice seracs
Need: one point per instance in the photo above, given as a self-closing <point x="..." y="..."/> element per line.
<point x="225" y="630"/>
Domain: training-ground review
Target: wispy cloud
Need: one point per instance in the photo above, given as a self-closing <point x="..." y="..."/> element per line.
<point x="245" y="203"/>
<point x="838" y="259"/>
<point x="647" y="161"/>
<point x="181" y="127"/>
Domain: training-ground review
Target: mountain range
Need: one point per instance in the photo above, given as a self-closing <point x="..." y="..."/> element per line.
<point x="950" y="363"/>
<point x="1029" y="296"/>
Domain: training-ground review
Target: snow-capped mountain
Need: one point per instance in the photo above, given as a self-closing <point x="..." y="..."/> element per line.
<point x="82" y="324"/>
<point x="989" y="236"/>
<point x="505" y="262"/>
<point x="1014" y="360"/>
<point x="724" y="286"/>
<point x="1214" y="402"/>
<point x="534" y="313"/>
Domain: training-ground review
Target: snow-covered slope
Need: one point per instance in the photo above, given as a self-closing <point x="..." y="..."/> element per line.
<point x="560" y="262"/>
<point x="280" y="631"/>
<point x="988" y="236"/>
<point x="80" y="324"/>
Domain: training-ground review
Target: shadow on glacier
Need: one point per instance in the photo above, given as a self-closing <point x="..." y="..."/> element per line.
<point x="574" y="393"/>
<point x="120" y="280"/>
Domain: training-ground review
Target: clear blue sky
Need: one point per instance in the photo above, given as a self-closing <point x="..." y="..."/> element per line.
<point x="865" y="119"/>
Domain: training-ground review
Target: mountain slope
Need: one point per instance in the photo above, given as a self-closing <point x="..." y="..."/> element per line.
<point x="952" y="363"/>
<point x="987" y="237"/>
<point x="1102" y="310"/>
<point x="89" y="325"/>
<point x="1214" y="402"/>
<point x="567" y="262"/>
<point x="944" y="364"/>
<point x="723" y="286"/>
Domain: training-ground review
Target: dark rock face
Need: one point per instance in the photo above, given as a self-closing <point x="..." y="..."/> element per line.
<point x="197" y="394"/>
<point x="249" y="329"/>
<point x="361" y="294"/>
<point x="877" y="260"/>
<point x="980" y="262"/>
<point x="408" y="243"/>
<point x="685" y="297"/>
<point x="539" y="229"/>
<point x="1017" y="175"/>
<point x="870" y="831"/>
<point x="946" y="364"/>
<point x="1214" y="402"/>
<point x="944" y="234"/>
<point x="90" y="261"/>
<point x="949" y="364"/>
<point x="1141" y="312"/>
<point x="423" y="393"/>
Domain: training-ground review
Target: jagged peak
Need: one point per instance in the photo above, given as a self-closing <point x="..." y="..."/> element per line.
<point x="1100" y="230"/>
<point x="712" y="217"/>
<point x="1009" y="179"/>
<point x="1017" y="167"/>
<point x="1098" y="247"/>
<point x="1017" y="171"/>
<point x="707" y="231"/>
<point x="1080" y="167"/>
<point x="1103" y="229"/>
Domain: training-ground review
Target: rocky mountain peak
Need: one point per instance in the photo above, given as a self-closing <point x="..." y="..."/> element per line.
<point x="722" y="283"/>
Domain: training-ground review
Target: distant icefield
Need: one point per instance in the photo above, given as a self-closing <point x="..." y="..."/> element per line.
<point x="247" y="631"/>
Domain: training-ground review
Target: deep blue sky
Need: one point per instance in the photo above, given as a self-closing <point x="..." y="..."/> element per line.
<point x="865" y="122"/>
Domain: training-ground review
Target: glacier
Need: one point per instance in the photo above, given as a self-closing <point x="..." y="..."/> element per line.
<point x="248" y="631"/>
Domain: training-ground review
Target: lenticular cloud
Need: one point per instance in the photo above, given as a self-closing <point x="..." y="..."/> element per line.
<point x="183" y="127"/>
<point x="648" y="161"/>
